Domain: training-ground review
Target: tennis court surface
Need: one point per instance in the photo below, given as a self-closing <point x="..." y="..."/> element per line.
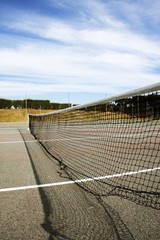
<point x="60" y="211"/>
<point x="90" y="172"/>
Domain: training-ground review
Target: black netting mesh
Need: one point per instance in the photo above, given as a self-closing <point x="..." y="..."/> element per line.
<point x="109" y="148"/>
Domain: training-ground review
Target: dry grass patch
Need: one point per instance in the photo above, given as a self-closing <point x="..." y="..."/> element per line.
<point x="18" y="115"/>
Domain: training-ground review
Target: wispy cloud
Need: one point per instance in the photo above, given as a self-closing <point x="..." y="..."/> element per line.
<point x="95" y="48"/>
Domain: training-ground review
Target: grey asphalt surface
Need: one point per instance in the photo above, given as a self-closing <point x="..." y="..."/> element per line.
<point x="61" y="212"/>
<point x="21" y="211"/>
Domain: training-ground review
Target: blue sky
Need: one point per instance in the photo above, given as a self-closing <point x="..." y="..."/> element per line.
<point x="81" y="50"/>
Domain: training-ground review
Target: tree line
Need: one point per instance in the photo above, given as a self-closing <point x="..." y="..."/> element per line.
<point x="31" y="104"/>
<point x="137" y="106"/>
<point x="140" y="106"/>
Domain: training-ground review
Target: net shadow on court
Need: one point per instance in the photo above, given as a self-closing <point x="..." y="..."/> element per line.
<point x="110" y="150"/>
<point x="109" y="147"/>
<point x="70" y="211"/>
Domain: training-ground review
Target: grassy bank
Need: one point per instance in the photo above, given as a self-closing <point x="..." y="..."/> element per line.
<point x="18" y="115"/>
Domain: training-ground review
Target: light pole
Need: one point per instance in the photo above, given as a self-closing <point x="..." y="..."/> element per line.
<point x="68" y="99"/>
<point x="26" y="102"/>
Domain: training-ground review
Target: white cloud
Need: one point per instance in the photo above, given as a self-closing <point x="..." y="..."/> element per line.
<point x="102" y="55"/>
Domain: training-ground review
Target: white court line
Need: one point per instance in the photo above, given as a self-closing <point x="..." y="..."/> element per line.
<point x="14" y="128"/>
<point x="13" y="142"/>
<point x="9" y="133"/>
<point x="77" y="181"/>
<point x="48" y="140"/>
<point x="75" y="138"/>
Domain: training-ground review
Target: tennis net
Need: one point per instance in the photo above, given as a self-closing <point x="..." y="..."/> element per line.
<point x="108" y="147"/>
